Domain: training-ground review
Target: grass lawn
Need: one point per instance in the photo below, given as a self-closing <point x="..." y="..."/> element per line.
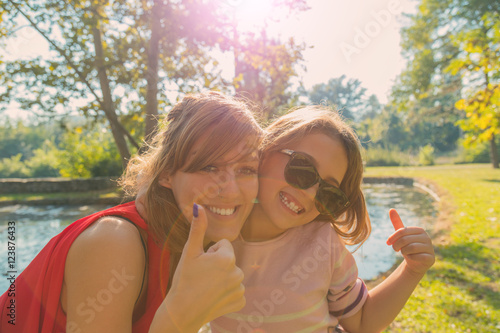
<point x="461" y="292"/>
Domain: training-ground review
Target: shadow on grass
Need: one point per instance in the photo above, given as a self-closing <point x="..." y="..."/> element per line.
<point x="478" y="259"/>
<point x="491" y="180"/>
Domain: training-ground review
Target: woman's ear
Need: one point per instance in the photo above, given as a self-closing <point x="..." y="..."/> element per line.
<point x="165" y="180"/>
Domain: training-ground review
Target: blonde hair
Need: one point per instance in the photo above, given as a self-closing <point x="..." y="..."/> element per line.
<point x="226" y="121"/>
<point x="353" y="224"/>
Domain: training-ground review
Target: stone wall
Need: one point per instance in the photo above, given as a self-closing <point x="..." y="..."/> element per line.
<point x="389" y="180"/>
<point x="54" y="185"/>
<point x="61" y="185"/>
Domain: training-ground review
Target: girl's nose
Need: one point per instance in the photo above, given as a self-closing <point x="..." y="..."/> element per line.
<point x="311" y="191"/>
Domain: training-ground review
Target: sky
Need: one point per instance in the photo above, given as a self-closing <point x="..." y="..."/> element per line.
<point x="356" y="38"/>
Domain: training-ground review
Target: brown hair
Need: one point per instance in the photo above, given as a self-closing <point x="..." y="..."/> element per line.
<point x="225" y="121"/>
<point x="353" y="224"/>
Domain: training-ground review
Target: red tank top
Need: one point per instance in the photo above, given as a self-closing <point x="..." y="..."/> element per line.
<point x="38" y="287"/>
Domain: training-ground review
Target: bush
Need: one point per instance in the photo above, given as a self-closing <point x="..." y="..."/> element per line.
<point x="426" y="155"/>
<point x="386" y="157"/>
<point x="477" y="153"/>
<point x="13" y="167"/>
<point x="25" y="152"/>
<point x="89" y="154"/>
<point x="25" y="139"/>
<point x="44" y="162"/>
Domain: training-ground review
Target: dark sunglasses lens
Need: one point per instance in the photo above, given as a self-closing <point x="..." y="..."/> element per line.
<point x="300" y="172"/>
<point x="330" y="200"/>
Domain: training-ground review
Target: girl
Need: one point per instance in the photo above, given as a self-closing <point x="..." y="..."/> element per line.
<point x="113" y="271"/>
<point x="299" y="277"/>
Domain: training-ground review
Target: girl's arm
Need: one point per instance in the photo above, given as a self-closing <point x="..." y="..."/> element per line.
<point x="386" y="300"/>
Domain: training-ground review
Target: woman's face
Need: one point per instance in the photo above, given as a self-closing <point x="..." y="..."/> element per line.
<point x="284" y="206"/>
<point x="226" y="189"/>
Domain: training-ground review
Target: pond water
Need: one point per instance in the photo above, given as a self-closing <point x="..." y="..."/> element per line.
<point x="36" y="225"/>
<point x="415" y="207"/>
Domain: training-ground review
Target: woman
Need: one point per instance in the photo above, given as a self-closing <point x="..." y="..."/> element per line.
<point x="113" y="271"/>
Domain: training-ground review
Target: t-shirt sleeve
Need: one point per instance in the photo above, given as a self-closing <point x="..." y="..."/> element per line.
<point x="347" y="292"/>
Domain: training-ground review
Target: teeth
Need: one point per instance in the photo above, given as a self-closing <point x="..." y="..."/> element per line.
<point x="290" y="205"/>
<point x="222" y="211"/>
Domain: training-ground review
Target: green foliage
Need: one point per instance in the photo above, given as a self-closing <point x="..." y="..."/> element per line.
<point x="348" y="97"/>
<point x="426" y="155"/>
<point x="44" y="162"/>
<point x="453" y="73"/>
<point x="480" y="61"/>
<point x="483" y="119"/>
<point x="24" y="139"/>
<point x="26" y="152"/>
<point x="82" y="152"/>
<point x="476" y="153"/>
<point x="13" y="167"/>
<point x="375" y="156"/>
<point x="123" y="57"/>
<point x="187" y="30"/>
<point x="386" y="130"/>
<point x="264" y="69"/>
<point x="88" y="154"/>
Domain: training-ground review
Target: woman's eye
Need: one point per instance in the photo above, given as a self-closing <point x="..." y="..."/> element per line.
<point x="248" y="170"/>
<point x="209" y="168"/>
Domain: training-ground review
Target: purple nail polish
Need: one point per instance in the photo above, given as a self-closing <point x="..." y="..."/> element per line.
<point x="195" y="210"/>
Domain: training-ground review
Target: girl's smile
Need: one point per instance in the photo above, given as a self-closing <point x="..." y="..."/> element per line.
<point x="290" y="203"/>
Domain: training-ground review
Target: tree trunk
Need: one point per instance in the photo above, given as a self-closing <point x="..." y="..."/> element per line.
<point x="494" y="152"/>
<point x="152" y="74"/>
<point x="107" y="101"/>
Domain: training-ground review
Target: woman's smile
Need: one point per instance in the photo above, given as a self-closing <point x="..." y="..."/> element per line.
<point x="221" y="211"/>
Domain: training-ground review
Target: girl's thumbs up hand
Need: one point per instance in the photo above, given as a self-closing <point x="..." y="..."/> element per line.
<point x="414" y="243"/>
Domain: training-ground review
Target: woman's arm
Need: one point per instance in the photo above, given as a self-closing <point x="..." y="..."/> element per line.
<point x="104" y="271"/>
<point x="386" y="300"/>
<point x="103" y="277"/>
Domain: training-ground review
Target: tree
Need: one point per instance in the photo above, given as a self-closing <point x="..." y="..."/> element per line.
<point x="112" y="55"/>
<point x="479" y="63"/>
<point x="121" y="61"/>
<point x="348" y="97"/>
<point x="453" y="51"/>
<point x="387" y="130"/>
<point x="266" y="65"/>
<point x="264" y="68"/>
<point x="372" y="108"/>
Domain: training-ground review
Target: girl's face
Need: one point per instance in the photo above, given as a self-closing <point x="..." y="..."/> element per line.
<point x="284" y="206"/>
<point x="226" y="189"/>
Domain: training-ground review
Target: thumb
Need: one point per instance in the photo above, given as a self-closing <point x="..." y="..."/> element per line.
<point x="194" y="244"/>
<point x="395" y="219"/>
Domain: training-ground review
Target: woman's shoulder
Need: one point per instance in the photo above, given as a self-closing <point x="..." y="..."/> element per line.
<point x="111" y="234"/>
<point x="109" y="243"/>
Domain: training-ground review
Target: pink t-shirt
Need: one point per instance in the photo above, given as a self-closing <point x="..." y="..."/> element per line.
<point x="302" y="281"/>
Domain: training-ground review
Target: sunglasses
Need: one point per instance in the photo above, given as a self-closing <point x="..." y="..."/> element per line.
<point x="301" y="173"/>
